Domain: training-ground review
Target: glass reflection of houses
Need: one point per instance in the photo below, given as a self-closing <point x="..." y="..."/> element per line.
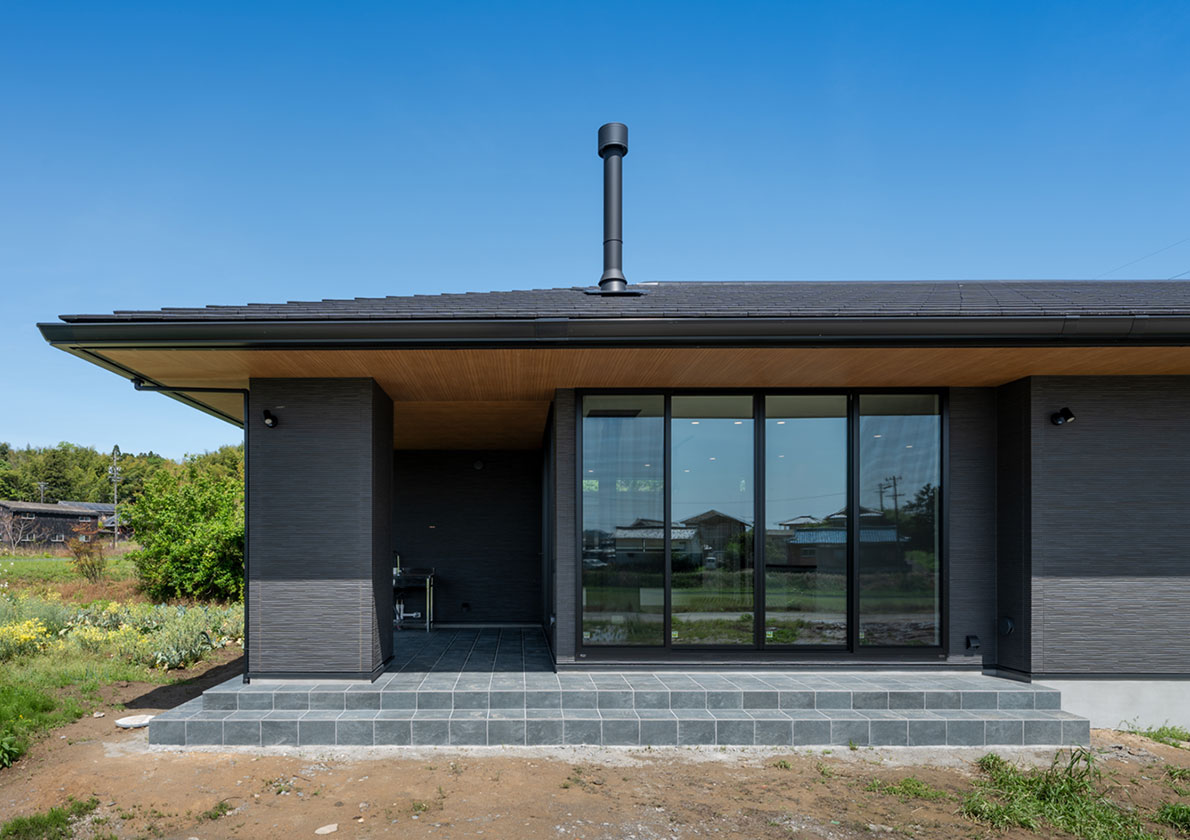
<point x="821" y="545"/>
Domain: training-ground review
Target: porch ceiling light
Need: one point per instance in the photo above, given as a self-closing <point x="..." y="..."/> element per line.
<point x="270" y="419"/>
<point x="1062" y="416"/>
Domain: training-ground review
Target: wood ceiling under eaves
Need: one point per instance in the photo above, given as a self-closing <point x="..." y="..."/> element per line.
<point x="499" y="398"/>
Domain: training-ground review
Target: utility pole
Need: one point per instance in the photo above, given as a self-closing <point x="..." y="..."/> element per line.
<point x="114" y="472"/>
<point x="41" y="485"/>
<point x="892" y="481"/>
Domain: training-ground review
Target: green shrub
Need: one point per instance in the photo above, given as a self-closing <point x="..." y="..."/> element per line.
<point x="190" y="525"/>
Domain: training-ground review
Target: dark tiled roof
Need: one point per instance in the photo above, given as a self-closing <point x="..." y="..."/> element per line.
<point x="60" y="509"/>
<point x="722" y="300"/>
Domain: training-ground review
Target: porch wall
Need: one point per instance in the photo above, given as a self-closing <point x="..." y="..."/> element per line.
<point x="1110" y="567"/>
<point x="319" y="495"/>
<point x="970" y="530"/>
<point x="565" y="534"/>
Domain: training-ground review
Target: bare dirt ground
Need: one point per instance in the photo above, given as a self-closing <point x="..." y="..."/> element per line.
<point x="523" y="793"/>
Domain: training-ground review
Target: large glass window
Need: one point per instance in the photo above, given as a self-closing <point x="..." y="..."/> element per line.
<point x="900" y="472"/>
<point x="711" y="519"/>
<point x="623" y="504"/>
<point x="850" y="507"/>
<point x="805" y="512"/>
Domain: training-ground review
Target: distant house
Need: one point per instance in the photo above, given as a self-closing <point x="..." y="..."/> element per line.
<point x="34" y="524"/>
<point x="107" y="515"/>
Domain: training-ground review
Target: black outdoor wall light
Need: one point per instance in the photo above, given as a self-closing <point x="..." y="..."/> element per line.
<point x="270" y="419"/>
<point x="1062" y="416"/>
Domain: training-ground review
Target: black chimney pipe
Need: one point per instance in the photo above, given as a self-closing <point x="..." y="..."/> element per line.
<point x="613" y="145"/>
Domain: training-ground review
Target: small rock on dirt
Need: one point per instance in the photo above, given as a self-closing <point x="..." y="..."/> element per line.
<point x="97" y="715"/>
<point x="327" y="829"/>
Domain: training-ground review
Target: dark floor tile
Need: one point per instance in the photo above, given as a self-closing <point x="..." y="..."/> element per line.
<point x="965" y="733"/>
<point x="658" y="732"/>
<point x="811" y="732"/>
<point x="735" y="732"/>
<point x="926" y="733"/>
<point x="320" y="732"/>
<point x="620" y="732"/>
<point x="1010" y="732"/>
<point x="543" y="731"/>
<point x="847" y="732"/>
<point x="888" y="733"/>
<point x="581" y="731"/>
<point x="696" y="732"/>
<point x="774" y="733"/>
<point x="275" y="733"/>
<point x="204" y="732"/>
<point x="167" y="732"/>
<point x="1047" y="733"/>
<point x="244" y="733"/>
<point x="392" y="732"/>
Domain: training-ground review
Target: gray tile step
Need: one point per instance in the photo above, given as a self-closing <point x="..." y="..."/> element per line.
<point x="191" y="725"/>
<point x="708" y="695"/>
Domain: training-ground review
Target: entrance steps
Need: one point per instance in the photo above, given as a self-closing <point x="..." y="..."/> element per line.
<point x="498" y="694"/>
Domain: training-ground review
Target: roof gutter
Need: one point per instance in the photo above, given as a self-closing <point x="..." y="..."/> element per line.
<point x="915" y="331"/>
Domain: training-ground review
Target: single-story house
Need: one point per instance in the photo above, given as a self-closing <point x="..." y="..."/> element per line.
<point x="36" y="524"/>
<point x="522" y="442"/>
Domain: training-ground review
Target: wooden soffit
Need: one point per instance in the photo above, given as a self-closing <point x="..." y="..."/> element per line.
<point x="498" y="398"/>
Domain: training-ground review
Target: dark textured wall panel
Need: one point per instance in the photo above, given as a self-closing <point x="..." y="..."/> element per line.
<point x="1013" y="504"/>
<point x="1111" y="569"/>
<point x="971" y="520"/>
<point x="315" y="603"/>
<point x="566" y="516"/>
<point x="479" y="528"/>
<point x="382" y="536"/>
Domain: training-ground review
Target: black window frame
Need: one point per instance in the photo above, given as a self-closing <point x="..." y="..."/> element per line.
<point x="758" y="652"/>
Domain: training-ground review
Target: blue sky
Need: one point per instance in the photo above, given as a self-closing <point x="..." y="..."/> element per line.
<point x="174" y="154"/>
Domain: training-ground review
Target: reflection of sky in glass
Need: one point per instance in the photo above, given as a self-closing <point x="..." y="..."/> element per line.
<point x="904" y="446"/>
<point x="628" y="451"/>
<point x="712" y="467"/>
<point x="806" y="468"/>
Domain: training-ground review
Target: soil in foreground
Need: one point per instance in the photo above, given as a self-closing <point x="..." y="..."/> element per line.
<point x="524" y="793"/>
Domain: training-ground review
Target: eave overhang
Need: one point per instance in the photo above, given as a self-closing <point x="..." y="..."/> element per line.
<point x="915" y="331"/>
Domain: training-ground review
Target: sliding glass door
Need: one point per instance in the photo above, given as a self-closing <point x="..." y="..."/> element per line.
<point x="713" y="464"/>
<point x="806" y="536"/>
<point x="834" y="498"/>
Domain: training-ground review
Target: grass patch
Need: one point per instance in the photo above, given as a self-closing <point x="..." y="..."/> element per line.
<point x="220" y="809"/>
<point x="54" y="824"/>
<point x="1168" y="734"/>
<point x="908" y="788"/>
<point x="60" y="570"/>
<point x="1176" y="815"/>
<point x="1178" y="774"/>
<point x="39" y="693"/>
<point x="1067" y="796"/>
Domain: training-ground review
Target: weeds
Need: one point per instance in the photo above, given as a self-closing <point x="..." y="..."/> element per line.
<point x="220" y="809"/>
<point x="1168" y="734"/>
<point x="783" y="765"/>
<point x="1066" y="796"/>
<point x="1178" y="774"/>
<point x="908" y="788"/>
<point x="54" y="824"/>
<point x="1176" y="815"/>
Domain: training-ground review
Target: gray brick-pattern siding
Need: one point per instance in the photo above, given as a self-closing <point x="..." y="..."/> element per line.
<point x="1013" y="506"/>
<point x="971" y="520"/>
<point x="566" y="514"/>
<point x="486" y="536"/>
<point x="319" y="552"/>
<point x="1111" y="570"/>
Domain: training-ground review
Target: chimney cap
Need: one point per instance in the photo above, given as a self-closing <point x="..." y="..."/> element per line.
<point x="613" y="136"/>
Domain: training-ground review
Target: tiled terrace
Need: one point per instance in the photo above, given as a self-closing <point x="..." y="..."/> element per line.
<point x="498" y="687"/>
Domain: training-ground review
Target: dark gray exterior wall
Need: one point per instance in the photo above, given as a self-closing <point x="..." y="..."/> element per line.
<point x="971" y="522"/>
<point x="479" y="528"/>
<point x="319" y="520"/>
<point x="565" y="523"/>
<point x="1110" y="565"/>
<point x="1013" y="524"/>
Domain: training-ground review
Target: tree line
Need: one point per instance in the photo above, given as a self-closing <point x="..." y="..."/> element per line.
<point x="74" y="473"/>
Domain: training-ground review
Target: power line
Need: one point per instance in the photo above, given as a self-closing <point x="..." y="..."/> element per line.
<point x="1179" y="274"/>
<point x="1145" y="257"/>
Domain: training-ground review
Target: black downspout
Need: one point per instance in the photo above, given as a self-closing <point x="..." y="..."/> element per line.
<point x="139" y="384"/>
